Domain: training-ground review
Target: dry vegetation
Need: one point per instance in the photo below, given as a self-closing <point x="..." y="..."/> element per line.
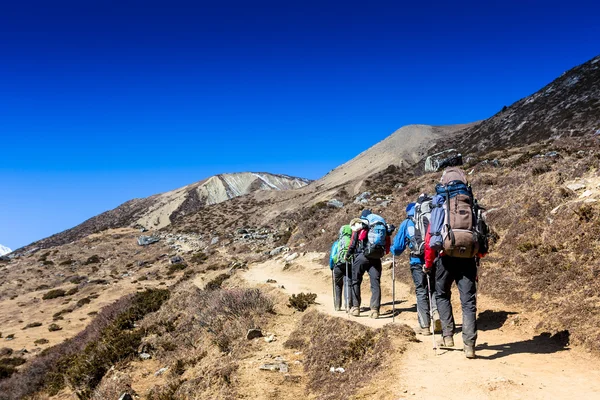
<point x="339" y="343"/>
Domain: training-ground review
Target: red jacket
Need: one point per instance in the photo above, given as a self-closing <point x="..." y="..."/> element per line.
<point x="430" y="254"/>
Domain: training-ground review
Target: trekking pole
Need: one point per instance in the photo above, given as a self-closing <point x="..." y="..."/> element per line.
<point x="431" y="322"/>
<point x="346" y="288"/>
<point x="333" y="289"/>
<point x="393" y="288"/>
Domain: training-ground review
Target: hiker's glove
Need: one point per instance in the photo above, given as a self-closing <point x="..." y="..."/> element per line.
<point x="426" y="269"/>
<point x="391" y="228"/>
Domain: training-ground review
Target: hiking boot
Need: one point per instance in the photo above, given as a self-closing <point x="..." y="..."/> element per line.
<point x="355" y="312"/>
<point x="423" y="331"/>
<point x="448" y="341"/>
<point x="374" y="314"/>
<point x="437" y="322"/>
<point x="338" y="308"/>
<point x="469" y="351"/>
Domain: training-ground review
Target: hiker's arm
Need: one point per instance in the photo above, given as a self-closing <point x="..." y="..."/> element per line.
<point x="400" y="240"/>
<point x="353" y="244"/>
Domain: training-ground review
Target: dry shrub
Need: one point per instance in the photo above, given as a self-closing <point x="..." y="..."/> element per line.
<point x="335" y="342"/>
<point x="53" y="294"/>
<point x="113" y="385"/>
<point x="301" y="301"/>
<point x="83" y="360"/>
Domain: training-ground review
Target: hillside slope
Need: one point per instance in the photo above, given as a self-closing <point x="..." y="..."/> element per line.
<point x="404" y="147"/>
<point x="160" y="210"/>
<point x="568" y="106"/>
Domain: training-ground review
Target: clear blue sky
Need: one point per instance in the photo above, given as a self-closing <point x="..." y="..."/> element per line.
<point x="104" y="101"/>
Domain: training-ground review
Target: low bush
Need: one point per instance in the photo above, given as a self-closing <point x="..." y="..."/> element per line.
<point x="53" y="294"/>
<point x="301" y="301"/>
<point x="72" y="291"/>
<point x="54" y="327"/>
<point x="173" y="268"/>
<point x="199" y="258"/>
<point x="217" y="282"/>
<point x="92" y="260"/>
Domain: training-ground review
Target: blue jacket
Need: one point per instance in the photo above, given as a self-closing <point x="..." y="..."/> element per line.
<point x="402" y="238"/>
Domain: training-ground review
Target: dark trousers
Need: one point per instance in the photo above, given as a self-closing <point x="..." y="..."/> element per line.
<point x="420" y="280"/>
<point x="463" y="271"/>
<point x="361" y="265"/>
<point x="340" y="280"/>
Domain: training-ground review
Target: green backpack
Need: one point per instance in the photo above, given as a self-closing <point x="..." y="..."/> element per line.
<point x="342" y="244"/>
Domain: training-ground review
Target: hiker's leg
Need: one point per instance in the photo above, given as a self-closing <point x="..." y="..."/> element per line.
<point x="357" y="274"/>
<point x="468" y="299"/>
<point x="443" y="285"/>
<point x="375" y="278"/>
<point x="348" y="278"/>
<point x="432" y="288"/>
<point x="338" y="278"/>
<point x="420" y="280"/>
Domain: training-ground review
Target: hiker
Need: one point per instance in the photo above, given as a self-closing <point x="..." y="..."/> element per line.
<point x="411" y="235"/>
<point x="455" y="240"/>
<point x="341" y="268"/>
<point x="369" y="243"/>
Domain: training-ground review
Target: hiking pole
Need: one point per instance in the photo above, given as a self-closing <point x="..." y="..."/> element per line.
<point x="346" y="288"/>
<point x="333" y="289"/>
<point x="431" y="322"/>
<point x="393" y="288"/>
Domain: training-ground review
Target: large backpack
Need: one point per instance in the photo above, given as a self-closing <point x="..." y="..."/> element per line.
<point x="421" y="220"/>
<point x="374" y="246"/>
<point x="459" y="231"/>
<point x="343" y="243"/>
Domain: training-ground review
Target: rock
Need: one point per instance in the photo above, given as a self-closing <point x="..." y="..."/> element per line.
<point x="253" y="334"/>
<point x="176" y="260"/>
<point x="145" y="356"/>
<point x="281" y="287"/>
<point x="125" y="396"/>
<point x="270" y="367"/>
<point x="291" y="257"/>
<point x="362" y="198"/>
<point x="575" y="186"/>
<point x="161" y="371"/>
<point x="271" y="281"/>
<point x="146" y="240"/>
<point x="271" y="338"/>
<point x="385" y="203"/>
<point x="278" y="250"/>
<point x="335" y="203"/>
<point x="587" y="193"/>
<point x="214" y="240"/>
<point x="338" y="370"/>
<point x="283" y="367"/>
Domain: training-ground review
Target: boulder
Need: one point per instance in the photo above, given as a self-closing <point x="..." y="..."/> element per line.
<point x="125" y="396"/>
<point x="335" y="203"/>
<point x="291" y="257"/>
<point x="146" y="240"/>
<point x="362" y="198"/>
<point x="278" y="250"/>
<point x="576" y="186"/>
<point x="176" y="260"/>
<point x="253" y="334"/>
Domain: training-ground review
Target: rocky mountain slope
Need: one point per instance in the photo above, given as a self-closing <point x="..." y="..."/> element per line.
<point x="4" y="250"/>
<point x="160" y="210"/>
<point x="568" y="106"/>
<point x="404" y="147"/>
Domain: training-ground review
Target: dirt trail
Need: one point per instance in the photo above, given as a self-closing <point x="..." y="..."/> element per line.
<point x="510" y="365"/>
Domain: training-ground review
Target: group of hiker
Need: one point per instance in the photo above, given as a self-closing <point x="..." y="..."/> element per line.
<point x="445" y="235"/>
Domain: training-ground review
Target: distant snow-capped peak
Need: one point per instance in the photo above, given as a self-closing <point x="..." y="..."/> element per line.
<point x="4" y="250"/>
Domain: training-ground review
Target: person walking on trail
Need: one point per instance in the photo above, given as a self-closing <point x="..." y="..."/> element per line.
<point x="341" y="268"/>
<point x="410" y="236"/>
<point x="456" y="239"/>
<point x="369" y="243"/>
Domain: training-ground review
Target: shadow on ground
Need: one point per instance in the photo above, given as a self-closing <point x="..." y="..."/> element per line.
<point x="544" y="343"/>
<point x="489" y="320"/>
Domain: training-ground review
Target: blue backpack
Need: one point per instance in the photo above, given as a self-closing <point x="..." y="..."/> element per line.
<point x="376" y="238"/>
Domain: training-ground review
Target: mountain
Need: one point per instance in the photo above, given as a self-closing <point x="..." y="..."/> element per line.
<point x="4" y="250"/>
<point x="158" y="211"/>
<point x="568" y="106"/>
<point x="404" y="147"/>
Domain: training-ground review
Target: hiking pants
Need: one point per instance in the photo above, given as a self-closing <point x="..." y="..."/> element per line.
<point x="340" y="279"/>
<point x="361" y="265"/>
<point x="420" y="280"/>
<point x="463" y="271"/>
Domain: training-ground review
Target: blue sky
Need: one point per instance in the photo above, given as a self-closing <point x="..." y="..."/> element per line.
<point x="104" y="101"/>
